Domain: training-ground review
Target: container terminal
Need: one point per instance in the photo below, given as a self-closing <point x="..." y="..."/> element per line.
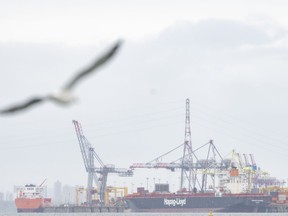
<point x="234" y="184"/>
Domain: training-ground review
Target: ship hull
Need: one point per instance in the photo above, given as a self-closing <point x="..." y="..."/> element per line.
<point x="31" y="205"/>
<point x="198" y="203"/>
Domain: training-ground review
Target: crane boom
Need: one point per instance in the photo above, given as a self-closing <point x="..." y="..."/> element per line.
<point x="252" y="159"/>
<point x="82" y="143"/>
<point x="246" y="160"/>
<point x="240" y="160"/>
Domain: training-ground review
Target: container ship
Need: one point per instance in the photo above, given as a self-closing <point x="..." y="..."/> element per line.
<point x="225" y="185"/>
<point x="163" y="201"/>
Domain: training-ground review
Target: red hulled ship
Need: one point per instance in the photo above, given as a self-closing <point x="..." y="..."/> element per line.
<point x="31" y="198"/>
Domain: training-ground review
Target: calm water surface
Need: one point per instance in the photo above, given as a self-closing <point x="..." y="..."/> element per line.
<point x="142" y="214"/>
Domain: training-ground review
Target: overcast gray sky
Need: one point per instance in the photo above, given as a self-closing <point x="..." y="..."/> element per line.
<point x="228" y="57"/>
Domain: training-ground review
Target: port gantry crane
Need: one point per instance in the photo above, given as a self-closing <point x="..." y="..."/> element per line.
<point x="89" y="155"/>
<point x="189" y="164"/>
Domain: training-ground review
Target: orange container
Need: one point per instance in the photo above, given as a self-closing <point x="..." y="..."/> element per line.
<point x="234" y="172"/>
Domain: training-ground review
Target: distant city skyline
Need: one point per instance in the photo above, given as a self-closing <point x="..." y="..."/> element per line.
<point x="6" y="196"/>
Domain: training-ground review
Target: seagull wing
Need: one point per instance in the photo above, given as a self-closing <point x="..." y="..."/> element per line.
<point x="98" y="62"/>
<point x="36" y="100"/>
<point x="22" y="106"/>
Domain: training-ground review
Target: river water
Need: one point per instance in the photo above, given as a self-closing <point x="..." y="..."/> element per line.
<point x="142" y="214"/>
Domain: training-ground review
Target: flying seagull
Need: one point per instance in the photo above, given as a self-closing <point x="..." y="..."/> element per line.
<point x="64" y="96"/>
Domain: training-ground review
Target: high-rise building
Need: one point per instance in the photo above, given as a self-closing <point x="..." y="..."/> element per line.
<point x="1" y="196"/>
<point x="57" y="196"/>
<point x="68" y="194"/>
<point x="9" y="196"/>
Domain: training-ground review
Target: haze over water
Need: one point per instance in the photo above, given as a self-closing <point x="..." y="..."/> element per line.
<point x="141" y="214"/>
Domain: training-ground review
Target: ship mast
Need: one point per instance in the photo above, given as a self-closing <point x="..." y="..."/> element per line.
<point x="187" y="159"/>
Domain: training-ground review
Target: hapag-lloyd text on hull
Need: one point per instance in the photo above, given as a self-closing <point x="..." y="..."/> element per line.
<point x="175" y="202"/>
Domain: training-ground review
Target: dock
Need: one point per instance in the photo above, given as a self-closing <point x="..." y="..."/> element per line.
<point x="83" y="209"/>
